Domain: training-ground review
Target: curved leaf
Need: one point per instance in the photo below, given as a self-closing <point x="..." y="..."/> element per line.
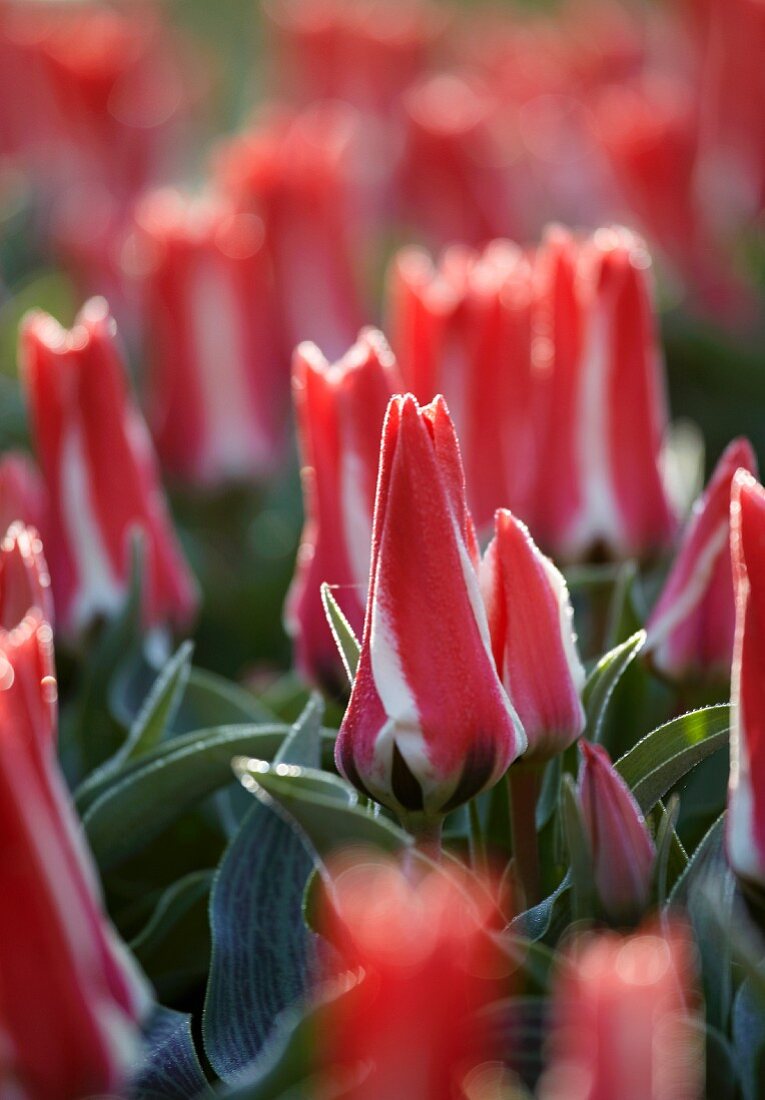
<point x="346" y="641"/>
<point x="602" y="681"/>
<point x="173" y="948"/>
<point x="164" y="784"/>
<point x="171" y="1069"/>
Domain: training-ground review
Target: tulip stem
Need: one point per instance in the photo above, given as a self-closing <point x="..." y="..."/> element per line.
<point x="524" y="782"/>
<point x="426" y="832"/>
<point x="477" y="842"/>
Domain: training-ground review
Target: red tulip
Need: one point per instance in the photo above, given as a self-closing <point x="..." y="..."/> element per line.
<point x="746" y="792"/>
<point x="601" y="485"/>
<point x="69" y="998"/>
<point x="428" y="724"/>
<point x="690" y="630"/>
<point x="22" y="493"/>
<point x="622" y="850"/>
<point x="464" y="328"/>
<point x="340" y="409"/>
<point x="100" y="473"/>
<point x="24" y="577"/>
<point x="419" y="949"/>
<point x="217" y="382"/>
<point x="531" y="622"/>
<point x="625" y="1022"/>
<point x="300" y="173"/>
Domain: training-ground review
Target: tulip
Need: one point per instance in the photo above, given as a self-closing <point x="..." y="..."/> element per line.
<point x="625" y="1021"/>
<point x="22" y="493"/>
<point x="100" y="474"/>
<point x="300" y="173"/>
<point x="622" y="849"/>
<point x="419" y="949"/>
<point x="340" y="410"/>
<point x="24" y="577"/>
<point x="690" y="630"/>
<point x="746" y="791"/>
<point x="428" y="724"/>
<point x="464" y="328"/>
<point x="533" y="640"/>
<point x="601" y="484"/>
<point x="70" y="999"/>
<point x="217" y="383"/>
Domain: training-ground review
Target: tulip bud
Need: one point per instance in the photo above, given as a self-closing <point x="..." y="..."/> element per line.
<point x="24" y="577"/>
<point x="70" y="999"/>
<point x="625" y="1022"/>
<point x="690" y="630"/>
<point x="22" y="493"/>
<point x="419" y="952"/>
<point x="602" y="486"/>
<point x="746" y="791"/>
<point x="340" y="410"/>
<point x="622" y="850"/>
<point x="217" y="381"/>
<point x="428" y="724"/>
<point x="100" y="473"/>
<point x="300" y="173"/>
<point x="463" y="328"/>
<point x="531" y="622"/>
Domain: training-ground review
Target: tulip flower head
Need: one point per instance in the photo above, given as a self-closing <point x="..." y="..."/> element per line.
<point x="622" y="849"/>
<point x="22" y="493"/>
<point x="24" y="577"/>
<point x="100" y="474"/>
<point x="690" y="630"/>
<point x="624" y="1020"/>
<point x="746" y="791"/>
<point x="532" y="634"/>
<point x="340" y="410"/>
<point x="428" y="724"/>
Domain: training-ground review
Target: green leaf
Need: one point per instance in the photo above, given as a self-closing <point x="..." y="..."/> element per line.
<point x="324" y="807"/>
<point x="170" y="1069"/>
<point x="602" y="681"/>
<point x="664" y="756"/>
<point x="346" y="641"/>
<point x="159" y="787"/>
<point x="261" y="948"/>
<point x="665" y="840"/>
<point x="749" y="1038"/>
<point x="174" y="946"/>
<point x="580" y="854"/>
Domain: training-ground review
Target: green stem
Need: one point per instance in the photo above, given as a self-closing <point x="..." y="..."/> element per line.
<point x="524" y="782"/>
<point x="477" y="843"/>
<point x="426" y="832"/>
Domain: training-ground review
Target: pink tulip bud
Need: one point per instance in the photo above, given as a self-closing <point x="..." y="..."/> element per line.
<point x="456" y="181"/>
<point x="100" y="473"/>
<point x="22" y="493"/>
<point x="340" y="409"/>
<point x="463" y="328"/>
<point x="746" y="791"/>
<point x="218" y="385"/>
<point x="70" y="999"/>
<point x="419" y="953"/>
<point x="625" y="1021"/>
<point x="622" y="850"/>
<point x="531" y="622"/>
<point x="24" y="577"/>
<point x="601" y="485"/>
<point x="301" y="174"/>
<point x="690" y="630"/>
<point x="428" y="724"/>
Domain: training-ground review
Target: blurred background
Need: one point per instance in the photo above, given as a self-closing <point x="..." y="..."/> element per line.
<point x="348" y="129"/>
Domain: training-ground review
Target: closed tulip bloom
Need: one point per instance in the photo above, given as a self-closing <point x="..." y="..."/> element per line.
<point x="625" y="1022"/>
<point x="340" y="409"/>
<point x="622" y="849"/>
<point x="690" y="630"/>
<point x="22" y="493"/>
<point x="531" y="623"/>
<point x="419" y="952"/>
<point x="428" y="724"/>
<point x="606" y="413"/>
<point x="746" y="791"/>
<point x="24" y="577"/>
<point x="463" y="327"/>
<point x="217" y="381"/>
<point x="70" y="1000"/>
<point x="101" y="476"/>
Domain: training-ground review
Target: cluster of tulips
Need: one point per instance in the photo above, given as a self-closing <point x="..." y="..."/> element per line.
<point x="465" y="873"/>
